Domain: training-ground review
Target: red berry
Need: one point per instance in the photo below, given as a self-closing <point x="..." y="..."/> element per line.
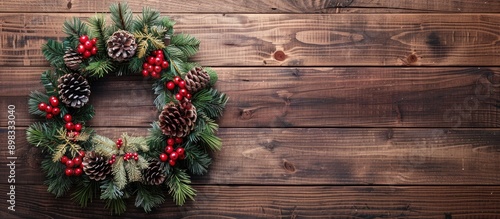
<point x="54" y="101"/>
<point x="93" y="51"/>
<point x="145" y="65"/>
<point x="81" y="153"/>
<point x="170" y="142"/>
<point x="88" y="45"/>
<point x="164" y="64"/>
<point x="163" y="157"/>
<point x="48" y="109"/>
<point x="78" y="171"/>
<point x="69" y="163"/>
<point x="42" y="106"/>
<point x="151" y="60"/>
<point x="180" y="151"/>
<point x="178" y="140"/>
<point x="150" y="68"/>
<point x="77" y="161"/>
<point x="182" y="157"/>
<point x="178" y="97"/>
<point x="171" y="162"/>
<point x="94" y="41"/>
<point x="110" y="162"/>
<point x="67" y="118"/>
<point x="158" y="61"/>
<point x="170" y="85"/>
<point x="78" y="127"/>
<point x="169" y="149"/>
<point x="189" y="96"/>
<point x="145" y="73"/>
<point x="176" y="80"/>
<point x="155" y="75"/>
<point x="136" y="158"/>
<point x="157" y="69"/>
<point x="113" y="156"/>
<point x="80" y="49"/>
<point x="56" y="111"/>
<point x="182" y="84"/>
<point x="84" y="38"/>
<point x="174" y="156"/>
<point x="159" y="54"/>
<point x="64" y="159"/>
<point x="69" y="126"/>
<point x="69" y="172"/>
<point x="135" y="154"/>
<point x="183" y="92"/>
<point x="87" y="54"/>
<point x="76" y="134"/>
<point x="49" y="116"/>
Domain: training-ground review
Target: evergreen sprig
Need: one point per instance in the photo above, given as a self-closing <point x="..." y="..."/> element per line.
<point x="54" y="52"/>
<point x="58" y="184"/>
<point x="86" y="191"/>
<point x="99" y="68"/>
<point x="121" y="16"/>
<point x="180" y="188"/>
<point x="211" y="102"/>
<point x="74" y="29"/>
<point x="149" y="197"/>
<point x="98" y="29"/>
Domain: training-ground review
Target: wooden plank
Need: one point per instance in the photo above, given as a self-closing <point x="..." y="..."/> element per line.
<point x="300" y="97"/>
<point x="296" y="40"/>
<point x="284" y="202"/>
<point x="296" y="156"/>
<point x="259" y="6"/>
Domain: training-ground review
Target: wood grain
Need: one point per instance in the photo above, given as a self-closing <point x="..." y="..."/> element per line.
<point x="296" y="40"/>
<point x="300" y="97"/>
<point x="295" y="156"/>
<point x="259" y="6"/>
<point x="434" y="202"/>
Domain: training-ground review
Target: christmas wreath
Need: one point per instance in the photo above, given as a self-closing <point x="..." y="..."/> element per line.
<point x="91" y="166"/>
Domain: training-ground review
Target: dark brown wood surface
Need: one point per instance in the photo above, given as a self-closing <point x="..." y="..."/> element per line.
<point x="338" y="108"/>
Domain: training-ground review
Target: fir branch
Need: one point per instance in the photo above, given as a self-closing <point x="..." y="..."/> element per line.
<point x="162" y="97"/>
<point x="86" y="191"/>
<point x="142" y="48"/>
<point x="176" y="54"/>
<point x="134" y="143"/>
<point x="67" y="145"/>
<point x="179" y="186"/>
<point x="204" y="133"/>
<point x="117" y="206"/>
<point x="156" y="140"/>
<point x="211" y="102"/>
<point x="98" y="29"/>
<point x="58" y="183"/>
<point x="188" y="44"/>
<point x="121" y="16"/>
<point x="147" y="40"/>
<point x="36" y="97"/>
<point x="109" y="190"/>
<point x="210" y="140"/>
<point x="119" y="172"/>
<point x="43" y="135"/>
<point x="135" y="64"/>
<point x="212" y="74"/>
<point x="83" y="114"/>
<point x="54" y="52"/>
<point x="74" y="29"/>
<point x="49" y="81"/>
<point x="99" y="68"/>
<point x="134" y="173"/>
<point x="168" y="23"/>
<point x="148" y="18"/>
<point x="197" y="160"/>
<point x="149" y="197"/>
<point x="104" y="146"/>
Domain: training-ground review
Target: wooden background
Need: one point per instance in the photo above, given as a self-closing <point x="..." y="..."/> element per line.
<point x="338" y="108"/>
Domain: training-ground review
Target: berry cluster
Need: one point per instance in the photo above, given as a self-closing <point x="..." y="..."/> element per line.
<point x="182" y="92"/>
<point x="174" y="155"/>
<point x="87" y="47"/>
<point x="119" y="143"/>
<point x="154" y="64"/>
<point x="50" y="109"/>
<point x="73" y="166"/>
<point x="130" y="155"/>
<point x="112" y="160"/>
<point x="73" y="129"/>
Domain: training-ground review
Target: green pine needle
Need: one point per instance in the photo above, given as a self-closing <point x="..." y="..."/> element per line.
<point x="197" y="160"/>
<point x="98" y="29"/>
<point x="117" y="206"/>
<point x="148" y="18"/>
<point x="43" y="135"/>
<point x="36" y="97"/>
<point x="156" y="140"/>
<point x="58" y="183"/>
<point x="54" y="52"/>
<point x="149" y="197"/>
<point x="74" y="28"/>
<point x="188" y="44"/>
<point x="121" y="16"/>
<point x="100" y="68"/>
<point x="49" y="81"/>
<point x="179" y="186"/>
<point x="211" y="102"/>
<point x="86" y="191"/>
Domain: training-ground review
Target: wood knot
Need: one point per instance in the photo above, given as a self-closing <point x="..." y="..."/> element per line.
<point x="288" y="166"/>
<point x="412" y="58"/>
<point x="69" y="5"/>
<point x="246" y="114"/>
<point x="279" y="55"/>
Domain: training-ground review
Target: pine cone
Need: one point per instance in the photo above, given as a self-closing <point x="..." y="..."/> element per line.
<point x="176" y="121"/>
<point x="72" y="59"/>
<point x="96" y="166"/>
<point x="154" y="174"/>
<point x="121" y="46"/>
<point x="196" y="79"/>
<point x="74" y="90"/>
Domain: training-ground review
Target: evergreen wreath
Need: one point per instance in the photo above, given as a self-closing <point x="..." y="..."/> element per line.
<point x="92" y="166"/>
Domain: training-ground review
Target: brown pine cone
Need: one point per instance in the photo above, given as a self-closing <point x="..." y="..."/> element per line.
<point x="176" y="121"/>
<point x="95" y="166"/>
<point x="74" y="90"/>
<point x="72" y="59"/>
<point x="121" y="46"/>
<point x="154" y="174"/>
<point x="196" y="79"/>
